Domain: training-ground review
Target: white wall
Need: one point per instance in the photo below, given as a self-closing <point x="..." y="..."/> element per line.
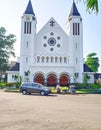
<point x="10" y="76"/>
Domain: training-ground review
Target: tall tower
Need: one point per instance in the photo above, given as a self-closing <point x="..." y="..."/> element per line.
<point x="75" y="32"/>
<point x="28" y="32"/>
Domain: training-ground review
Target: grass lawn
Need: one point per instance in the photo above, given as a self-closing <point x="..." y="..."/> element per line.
<point x="88" y="91"/>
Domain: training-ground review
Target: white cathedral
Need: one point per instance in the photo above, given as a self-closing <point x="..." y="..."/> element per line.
<point x="51" y="56"/>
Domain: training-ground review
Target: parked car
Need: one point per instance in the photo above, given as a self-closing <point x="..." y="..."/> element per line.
<point x="28" y="88"/>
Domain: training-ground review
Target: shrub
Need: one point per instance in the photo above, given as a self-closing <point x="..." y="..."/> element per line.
<point x="95" y="86"/>
<point x="80" y="85"/>
<point x="18" y="84"/>
<point x="3" y="85"/>
<point x="10" y="84"/>
<point x="87" y="86"/>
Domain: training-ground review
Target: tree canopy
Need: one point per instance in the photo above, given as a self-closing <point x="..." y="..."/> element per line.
<point x="6" y="48"/>
<point x="92" y="62"/>
<point x="92" y="5"/>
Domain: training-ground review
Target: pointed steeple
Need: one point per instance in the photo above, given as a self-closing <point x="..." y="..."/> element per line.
<point x="74" y="10"/>
<point x="29" y="9"/>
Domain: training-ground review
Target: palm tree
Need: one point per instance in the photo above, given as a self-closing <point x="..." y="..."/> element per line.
<point x="92" y="5"/>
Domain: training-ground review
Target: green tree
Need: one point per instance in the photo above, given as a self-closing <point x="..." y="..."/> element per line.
<point x="91" y="5"/>
<point x="6" y="48"/>
<point x="86" y="78"/>
<point x="92" y="62"/>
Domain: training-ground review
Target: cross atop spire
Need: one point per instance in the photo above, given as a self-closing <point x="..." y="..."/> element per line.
<point x="29" y="9"/>
<point x="74" y="10"/>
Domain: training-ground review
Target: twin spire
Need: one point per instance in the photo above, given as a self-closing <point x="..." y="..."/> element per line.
<point x="29" y="9"/>
<point x="73" y="12"/>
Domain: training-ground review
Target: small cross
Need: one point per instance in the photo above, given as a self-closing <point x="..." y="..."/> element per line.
<point x="52" y="23"/>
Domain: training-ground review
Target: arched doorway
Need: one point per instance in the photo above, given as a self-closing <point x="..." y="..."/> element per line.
<point x="64" y="80"/>
<point x="51" y="80"/>
<point x="39" y="78"/>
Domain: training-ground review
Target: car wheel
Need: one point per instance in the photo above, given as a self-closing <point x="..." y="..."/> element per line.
<point x="24" y="92"/>
<point x="42" y="93"/>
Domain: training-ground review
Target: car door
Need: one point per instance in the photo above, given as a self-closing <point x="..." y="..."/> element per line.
<point x="36" y="88"/>
<point x="29" y="88"/>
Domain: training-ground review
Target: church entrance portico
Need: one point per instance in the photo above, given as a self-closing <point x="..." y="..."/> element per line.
<point x="52" y="79"/>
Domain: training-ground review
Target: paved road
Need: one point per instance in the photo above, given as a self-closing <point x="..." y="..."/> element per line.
<point x="54" y="112"/>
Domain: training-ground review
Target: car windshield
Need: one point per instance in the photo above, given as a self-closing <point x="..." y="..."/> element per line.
<point x="40" y="85"/>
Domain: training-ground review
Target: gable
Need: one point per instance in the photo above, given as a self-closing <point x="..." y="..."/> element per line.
<point x="51" y="39"/>
<point x="53" y="26"/>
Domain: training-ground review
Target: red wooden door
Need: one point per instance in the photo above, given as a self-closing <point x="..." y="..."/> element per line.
<point x="51" y="81"/>
<point x="64" y="80"/>
<point x="39" y="79"/>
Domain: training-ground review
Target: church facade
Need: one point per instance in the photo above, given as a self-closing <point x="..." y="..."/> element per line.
<point x="51" y="56"/>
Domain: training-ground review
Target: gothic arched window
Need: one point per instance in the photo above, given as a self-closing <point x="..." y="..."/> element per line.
<point x="38" y="59"/>
<point x="65" y="59"/>
<point x="47" y="59"/>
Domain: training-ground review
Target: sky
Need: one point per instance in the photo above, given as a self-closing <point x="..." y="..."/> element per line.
<point x="11" y="12"/>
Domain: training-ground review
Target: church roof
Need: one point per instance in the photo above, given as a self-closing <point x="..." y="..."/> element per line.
<point x="29" y="9"/>
<point x="86" y="68"/>
<point x="15" y="67"/>
<point x="74" y="10"/>
<point x="97" y="75"/>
